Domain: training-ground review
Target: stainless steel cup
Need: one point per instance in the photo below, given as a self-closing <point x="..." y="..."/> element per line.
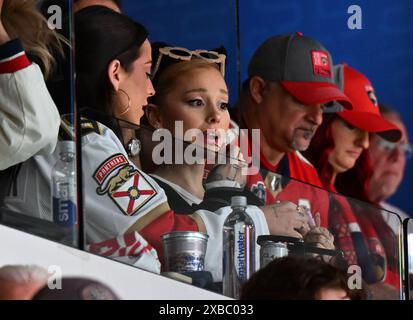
<point x="272" y="250"/>
<point x="184" y="250"/>
<point x="273" y="247"/>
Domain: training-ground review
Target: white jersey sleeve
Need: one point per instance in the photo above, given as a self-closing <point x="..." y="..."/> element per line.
<point x="29" y="119"/>
<point x="116" y="193"/>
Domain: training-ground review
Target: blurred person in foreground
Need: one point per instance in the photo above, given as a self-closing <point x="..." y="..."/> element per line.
<point x="294" y="278"/>
<point x="21" y="282"/>
<point x="77" y="289"/>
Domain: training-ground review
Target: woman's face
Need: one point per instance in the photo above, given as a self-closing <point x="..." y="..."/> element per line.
<point x="138" y="85"/>
<point x="349" y="142"/>
<point x="198" y="98"/>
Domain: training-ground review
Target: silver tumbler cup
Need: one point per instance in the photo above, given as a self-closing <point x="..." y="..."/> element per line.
<point x="184" y="250"/>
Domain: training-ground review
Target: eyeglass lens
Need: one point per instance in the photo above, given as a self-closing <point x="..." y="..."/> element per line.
<point x="181" y="53"/>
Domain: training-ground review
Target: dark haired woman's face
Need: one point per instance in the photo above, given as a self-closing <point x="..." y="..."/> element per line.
<point x="349" y="143"/>
<point x="138" y="85"/>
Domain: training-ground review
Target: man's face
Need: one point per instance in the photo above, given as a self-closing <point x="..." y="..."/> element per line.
<point x="388" y="161"/>
<point x="287" y="124"/>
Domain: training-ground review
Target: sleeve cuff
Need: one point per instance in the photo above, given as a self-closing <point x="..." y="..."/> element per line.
<point x="12" y="57"/>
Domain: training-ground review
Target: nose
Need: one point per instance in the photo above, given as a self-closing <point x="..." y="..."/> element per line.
<point x="315" y="114"/>
<point x="362" y="139"/>
<point x="150" y="89"/>
<point x="214" y="115"/>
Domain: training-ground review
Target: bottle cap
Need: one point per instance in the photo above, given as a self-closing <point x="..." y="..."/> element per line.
<point x="239" y="201"/>
<point x="67" y="146"/>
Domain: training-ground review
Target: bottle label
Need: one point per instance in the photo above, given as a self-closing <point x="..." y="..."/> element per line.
<point x="241" y="252"/>
<point x="64" y="209"/>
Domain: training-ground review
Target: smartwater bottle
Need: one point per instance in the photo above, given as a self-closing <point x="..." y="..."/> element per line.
<point x="238" y="248"/>
<point x="64" y="193"/>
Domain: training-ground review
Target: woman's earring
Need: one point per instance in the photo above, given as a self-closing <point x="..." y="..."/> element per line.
<point x="133" y="147"/>
<point x="129" y="103"/>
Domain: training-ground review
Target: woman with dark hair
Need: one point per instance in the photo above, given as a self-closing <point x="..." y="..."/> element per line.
<point x="123" y="61"/>
<point x="113" y="64"/>
<point x="339" y="153"/>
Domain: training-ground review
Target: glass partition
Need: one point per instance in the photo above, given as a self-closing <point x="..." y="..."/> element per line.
<point x="39" y="194"/>
<point x="408" y="227"/>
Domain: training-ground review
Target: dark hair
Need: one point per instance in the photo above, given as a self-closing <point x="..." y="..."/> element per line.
<point x="322" y="144"/>
<point x="352" y="183"/>
<point x="117" y="2"/>
<point x="103" y="35"/>
<point x="295" y="278"/>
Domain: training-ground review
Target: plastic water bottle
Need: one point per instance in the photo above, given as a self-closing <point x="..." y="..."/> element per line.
<point x="64" y="193"/>
<point x="238" y="248"/>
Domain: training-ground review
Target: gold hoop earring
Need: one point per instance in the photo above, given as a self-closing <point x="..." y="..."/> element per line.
<point x="129" y="103"/>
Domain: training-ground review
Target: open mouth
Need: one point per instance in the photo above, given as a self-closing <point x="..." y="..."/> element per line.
<point x="212" y="138"/>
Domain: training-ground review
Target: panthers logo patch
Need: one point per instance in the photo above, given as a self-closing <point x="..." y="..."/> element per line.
<point x="128" y="189"/>
<point x="259" y="190"/>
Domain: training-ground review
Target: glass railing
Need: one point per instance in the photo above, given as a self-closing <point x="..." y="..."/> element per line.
<point x="365" y="247"/>
<point x="408" y="271"/>
<point x="119" y="200"/>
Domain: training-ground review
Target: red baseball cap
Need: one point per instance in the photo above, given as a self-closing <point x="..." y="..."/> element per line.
<point x="301" y="65"/>
<point x="365" y="114"/>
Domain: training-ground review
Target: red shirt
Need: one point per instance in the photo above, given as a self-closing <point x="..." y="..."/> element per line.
<point x="268" y="187"/>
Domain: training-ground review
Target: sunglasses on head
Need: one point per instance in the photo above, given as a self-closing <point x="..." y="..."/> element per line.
<point x="183" y="54"/>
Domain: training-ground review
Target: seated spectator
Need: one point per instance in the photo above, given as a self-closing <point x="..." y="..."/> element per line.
<point x="388" y="161"/>
<point x="77" y="289"/>
<point x="293" y="278"/>
<point x="339" y="153"/>
<point x="21" y="282"/>
<point x="192" y="94"/>
<point x="29" y="118"/>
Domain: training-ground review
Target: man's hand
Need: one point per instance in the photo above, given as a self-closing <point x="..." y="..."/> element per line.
<point x="4" y="37"/>
<point x="286" y="219"/>
<point x="320" y="237"/>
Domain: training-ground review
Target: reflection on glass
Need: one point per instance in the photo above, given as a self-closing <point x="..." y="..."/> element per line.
<point x="410" y="257"/>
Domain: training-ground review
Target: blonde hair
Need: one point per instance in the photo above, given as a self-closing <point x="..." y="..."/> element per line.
<point x="172" y="73"/>
<point x="23" y="20"/>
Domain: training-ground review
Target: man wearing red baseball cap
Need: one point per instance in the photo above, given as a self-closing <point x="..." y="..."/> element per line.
<point x="290" y="84"/>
